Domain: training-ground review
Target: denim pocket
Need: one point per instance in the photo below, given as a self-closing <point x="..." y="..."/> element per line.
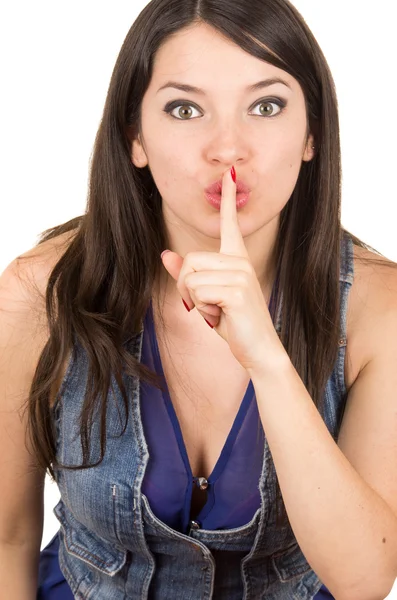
<point x="88" y="546"/>
<point x="290" y="563"/>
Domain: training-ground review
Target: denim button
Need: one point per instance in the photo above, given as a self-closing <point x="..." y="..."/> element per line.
<point x="194" y="525"/>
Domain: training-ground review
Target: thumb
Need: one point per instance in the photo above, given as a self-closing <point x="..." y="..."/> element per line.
<point x="172" y="263"/>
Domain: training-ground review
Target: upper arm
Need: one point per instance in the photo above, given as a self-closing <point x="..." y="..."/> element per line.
<point x="368" y="434"/>
<point x="22" y="338"/>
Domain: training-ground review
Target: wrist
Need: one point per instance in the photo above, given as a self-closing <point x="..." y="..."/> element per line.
<point x="271" y="360"/>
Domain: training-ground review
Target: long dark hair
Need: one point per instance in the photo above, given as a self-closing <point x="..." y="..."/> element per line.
<point x="101" y="287"/>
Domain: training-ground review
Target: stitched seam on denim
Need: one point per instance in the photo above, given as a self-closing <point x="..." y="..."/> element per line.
<point x="85" y="552"/>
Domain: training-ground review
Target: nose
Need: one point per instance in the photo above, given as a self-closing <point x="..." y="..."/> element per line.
<point x="227" y="145"/>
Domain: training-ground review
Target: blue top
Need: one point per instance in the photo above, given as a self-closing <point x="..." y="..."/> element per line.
<point x="232" y="494"/>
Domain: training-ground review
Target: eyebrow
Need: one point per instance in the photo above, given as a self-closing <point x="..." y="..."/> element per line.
<point x="251" y="88"/>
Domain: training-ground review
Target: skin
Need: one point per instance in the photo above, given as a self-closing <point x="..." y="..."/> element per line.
<point x="228" y="128"/>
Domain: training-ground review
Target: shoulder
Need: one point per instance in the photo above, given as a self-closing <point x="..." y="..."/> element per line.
<point x="41" y="259"/>
<point x="23" y="285"/>
<point x="23" y="318"/>
<point x="26" y="277"/>
<point x="372" y="309"/>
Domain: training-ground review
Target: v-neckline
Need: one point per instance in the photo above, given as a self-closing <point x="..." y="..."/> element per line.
<point x="232" y="435"/>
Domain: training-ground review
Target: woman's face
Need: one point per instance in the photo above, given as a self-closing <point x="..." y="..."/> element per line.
<point x="189" y="138"/>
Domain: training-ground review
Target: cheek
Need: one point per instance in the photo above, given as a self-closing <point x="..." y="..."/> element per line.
<point x="171" y="163"/>
<point x="167" y="151"/>
<point x="279" y="174"/>
<point x="169" y="171"/>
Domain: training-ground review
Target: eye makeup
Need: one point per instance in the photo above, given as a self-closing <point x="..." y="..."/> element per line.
<point x="171" y="106"/>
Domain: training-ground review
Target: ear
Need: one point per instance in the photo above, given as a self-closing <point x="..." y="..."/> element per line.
<point x="138" y="154"/>
<point x="309" y="152"/>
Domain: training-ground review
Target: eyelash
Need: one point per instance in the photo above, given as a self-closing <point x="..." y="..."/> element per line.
<point x="177" y="103"/>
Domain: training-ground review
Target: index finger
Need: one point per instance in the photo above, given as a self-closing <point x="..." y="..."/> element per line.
<point x="232" y="241"/>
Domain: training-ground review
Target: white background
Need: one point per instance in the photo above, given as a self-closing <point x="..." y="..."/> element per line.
<point x="56" y="63"/>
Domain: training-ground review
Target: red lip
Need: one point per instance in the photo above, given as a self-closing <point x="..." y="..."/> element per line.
<point x="216" y="188"/>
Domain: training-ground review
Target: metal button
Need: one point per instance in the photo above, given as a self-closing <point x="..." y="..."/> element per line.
<point x="194" y="525"/>
<point x="202" y="483"/>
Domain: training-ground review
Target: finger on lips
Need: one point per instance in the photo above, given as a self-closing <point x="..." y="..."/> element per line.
<point x="231" y="239"/>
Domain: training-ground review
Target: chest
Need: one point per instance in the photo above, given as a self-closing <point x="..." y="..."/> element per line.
<point x="206" y="386"/>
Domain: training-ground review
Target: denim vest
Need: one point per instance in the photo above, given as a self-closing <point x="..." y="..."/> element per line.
<point x="112" y="546"/>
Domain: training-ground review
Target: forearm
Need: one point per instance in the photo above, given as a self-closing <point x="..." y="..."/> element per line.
<point x="346" y="531"/>
<point x="18" y="573"/>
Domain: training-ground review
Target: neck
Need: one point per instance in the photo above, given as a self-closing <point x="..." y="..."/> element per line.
<point x="165" y="289"/>
<point x="261" y="246"/>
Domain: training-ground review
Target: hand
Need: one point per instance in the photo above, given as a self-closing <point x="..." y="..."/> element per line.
<point x="225" y="290"/>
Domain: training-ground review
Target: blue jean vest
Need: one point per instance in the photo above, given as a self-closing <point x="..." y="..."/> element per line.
<point x="112" y="546"/>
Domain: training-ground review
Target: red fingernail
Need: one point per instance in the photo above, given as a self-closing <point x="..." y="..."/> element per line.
<point x="212" y="327"/>
<point x="233" y="174"/>
<point x="186" y="306"/>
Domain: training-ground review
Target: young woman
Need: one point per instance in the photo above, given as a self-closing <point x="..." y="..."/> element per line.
<point x="243" y="448"/>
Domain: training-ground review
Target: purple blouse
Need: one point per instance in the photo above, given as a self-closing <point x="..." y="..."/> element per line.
<point x="232" y="493"/>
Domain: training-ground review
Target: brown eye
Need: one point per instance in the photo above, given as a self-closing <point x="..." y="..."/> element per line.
<point x="185" y="112"/>
<point x="182" y="112"/>
<point x="266" y="108"/>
